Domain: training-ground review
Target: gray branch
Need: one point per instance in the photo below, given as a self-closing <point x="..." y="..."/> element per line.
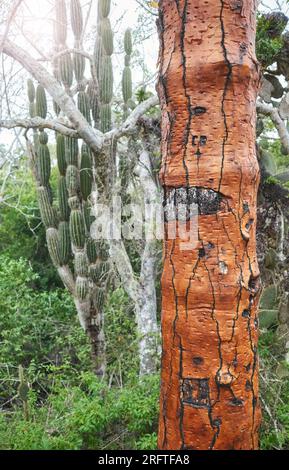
<point x="39" y="123"/>
<point x="280" y="125"/>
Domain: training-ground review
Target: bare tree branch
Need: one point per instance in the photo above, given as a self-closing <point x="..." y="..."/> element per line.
<point x="39" y="123"/>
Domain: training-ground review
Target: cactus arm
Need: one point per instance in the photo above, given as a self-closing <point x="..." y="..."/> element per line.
<point x="64" y="271"/>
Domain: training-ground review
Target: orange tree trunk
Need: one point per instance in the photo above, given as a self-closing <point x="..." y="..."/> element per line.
<point x="207" y="86"/>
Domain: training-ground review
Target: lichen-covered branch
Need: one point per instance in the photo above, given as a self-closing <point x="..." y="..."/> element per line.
<point x="273" y="113"/>
<point x="39" y="123"/>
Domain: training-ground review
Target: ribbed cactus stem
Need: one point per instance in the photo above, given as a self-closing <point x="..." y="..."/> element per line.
<point x="41" y="102"/>
<point x="104" y="56"/>
<point x="60" y="30"/>
<point x="53" y="244"/>
<point x="126" y="76"/>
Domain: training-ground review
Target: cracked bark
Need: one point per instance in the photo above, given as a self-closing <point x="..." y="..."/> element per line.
<point x="207" y="86"/>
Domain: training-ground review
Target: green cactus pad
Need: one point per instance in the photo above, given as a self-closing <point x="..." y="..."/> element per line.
<point x="66" y="70"/>
<point x="105" y="117"/>
<point x="126" y="84"/>
<point x="74" y="203"/>
<point x="47" y="212"/>
<point x="128" y="42"/>
<point x="41" y="102"/>
<point x="106" y="81"/>
<point x="79" y="66"/>
<point x="61" y="22"/>
<point x="43" y="138"/>
<point x="71" y="151"/>
<point x="63" y="199"/>
<point x="107" y="36"/>
<point x="77" y="228"/>
<point x="104" y="8"/>
<point x="76" y="18"/>
<point x="60" y="153"/>
<point x="99" y="298"/>
<point x="54" y="246"/>
<point x="72" y="180"/>
<point x="64" y="241"/>
<point x="43" y="165"/>
<point x="84" y="105"/>
<point x="81" y="264"/>
<point x="82" y="287"/>
<point x="30" y="90"/>
<point x="91" y="249"/>
<point x="85" y="175"/>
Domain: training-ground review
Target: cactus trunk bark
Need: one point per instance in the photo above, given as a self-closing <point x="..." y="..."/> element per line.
<point x="207" y="86"/>
<point x="95" y="333"/>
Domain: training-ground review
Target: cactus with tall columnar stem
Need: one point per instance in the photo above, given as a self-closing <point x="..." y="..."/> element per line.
<point x="85" y="175"/>
<point x="126" y="76"/>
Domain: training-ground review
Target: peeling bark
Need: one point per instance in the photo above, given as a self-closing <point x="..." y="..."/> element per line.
<point x="208" y="84"/>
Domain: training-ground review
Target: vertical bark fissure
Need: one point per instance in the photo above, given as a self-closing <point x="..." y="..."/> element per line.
<point x="188" y="98"/>
<point x="227" y="82"/>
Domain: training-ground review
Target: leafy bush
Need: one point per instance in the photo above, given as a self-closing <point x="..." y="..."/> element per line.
<point x="87" y="416"/>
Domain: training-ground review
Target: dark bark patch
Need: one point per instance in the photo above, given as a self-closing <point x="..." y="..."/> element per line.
<point x="207" y="201"/>
<point x="246" y="313"/>
<point x="198" y="360"/>
<point x="198" y="110"/>
<point x="236" y="402"/>
<point x="195" y="392"/>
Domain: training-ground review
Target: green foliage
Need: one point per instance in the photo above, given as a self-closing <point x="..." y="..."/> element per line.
<point x="68" y="408"/>
<point x="87" y="416"/>
<point x="267" y="47"/>
<point x="274" y="392"/>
